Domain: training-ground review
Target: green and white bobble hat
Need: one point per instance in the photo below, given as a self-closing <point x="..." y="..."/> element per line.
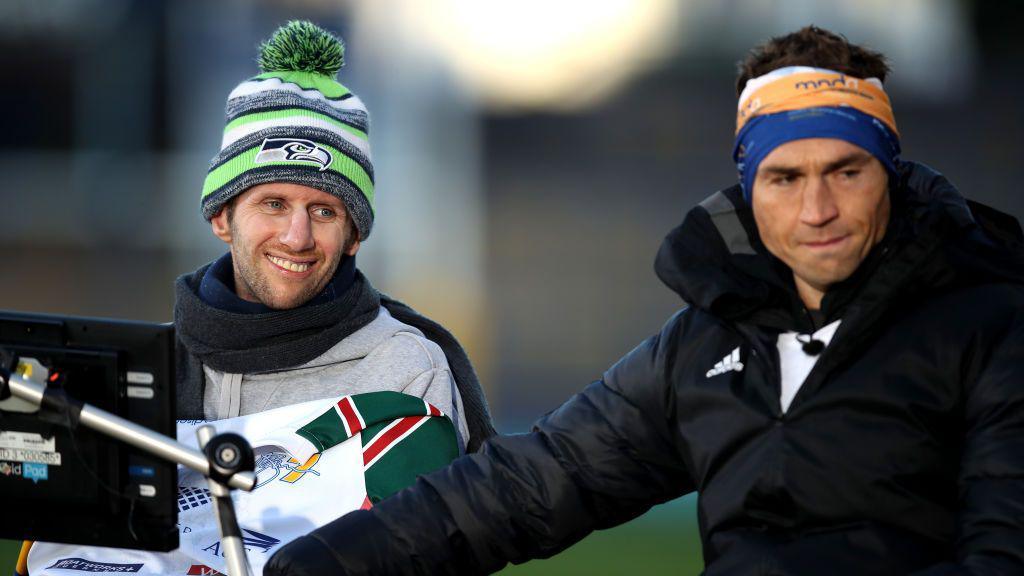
<point x="296" y="123"/>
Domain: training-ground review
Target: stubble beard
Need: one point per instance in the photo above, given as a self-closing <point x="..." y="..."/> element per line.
<point x="255" y="282"/>
<point x="251" y="278"/>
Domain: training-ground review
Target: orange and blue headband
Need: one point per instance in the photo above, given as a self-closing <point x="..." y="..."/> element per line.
<point x="800" y="102"/>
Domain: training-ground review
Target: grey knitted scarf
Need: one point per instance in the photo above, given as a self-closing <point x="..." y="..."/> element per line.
<point x="280" y="339"/>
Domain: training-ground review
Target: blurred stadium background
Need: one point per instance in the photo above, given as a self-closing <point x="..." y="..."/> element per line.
<point x="529" y="158"/>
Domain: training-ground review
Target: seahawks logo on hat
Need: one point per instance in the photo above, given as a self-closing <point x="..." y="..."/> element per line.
<point x="293" y="150"/>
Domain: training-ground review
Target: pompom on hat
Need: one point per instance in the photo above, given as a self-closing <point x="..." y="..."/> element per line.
<point x="296" y="123"/>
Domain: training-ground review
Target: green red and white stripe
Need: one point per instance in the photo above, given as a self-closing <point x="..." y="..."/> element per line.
<point x="402" y="436"/>
<point x="390" y="436"/>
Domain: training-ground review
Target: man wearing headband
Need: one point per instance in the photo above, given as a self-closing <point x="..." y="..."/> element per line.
<point x="845" y="389"/>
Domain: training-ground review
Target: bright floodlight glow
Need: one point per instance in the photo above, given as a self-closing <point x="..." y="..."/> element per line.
<point x="543" y="53"/>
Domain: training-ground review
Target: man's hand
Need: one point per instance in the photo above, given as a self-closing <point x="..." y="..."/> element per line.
<point x="322" y="551"/>
<point x="304" y="556"/>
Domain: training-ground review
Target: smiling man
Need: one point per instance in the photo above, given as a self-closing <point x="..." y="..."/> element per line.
<point x="286" y="242"/>
<point x="845" y="390"/>
<point x="285" y="316"/>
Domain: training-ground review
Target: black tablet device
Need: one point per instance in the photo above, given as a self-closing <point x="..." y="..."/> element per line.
<point x="64" y="483"/>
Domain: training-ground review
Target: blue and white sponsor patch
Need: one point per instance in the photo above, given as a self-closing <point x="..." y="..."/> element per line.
<point x="293" y="150"/>
<point x="83" y="565"/>
<point x="35" y="472"/>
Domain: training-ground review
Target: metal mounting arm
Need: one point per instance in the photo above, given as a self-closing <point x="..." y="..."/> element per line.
<point x="226" y="460"/>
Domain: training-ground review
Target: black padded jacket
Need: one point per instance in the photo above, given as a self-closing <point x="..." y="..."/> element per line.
<point x="903" y="451"/>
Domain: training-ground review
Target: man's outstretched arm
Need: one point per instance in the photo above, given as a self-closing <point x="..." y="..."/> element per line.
<point x="604" y="457"/>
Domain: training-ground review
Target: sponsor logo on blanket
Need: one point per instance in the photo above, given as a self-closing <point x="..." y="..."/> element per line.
<point x="279" y="466"/>
<point x="83" y="565"/>
<point x="251" y="540"/>
<point x="189" y="498"/>
<point x="202" y="570"/>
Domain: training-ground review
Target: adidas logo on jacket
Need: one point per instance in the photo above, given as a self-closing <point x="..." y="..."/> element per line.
<point x="730" y="363"/>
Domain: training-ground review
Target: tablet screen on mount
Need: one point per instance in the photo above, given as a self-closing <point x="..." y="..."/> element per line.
<point x="77" y="486"/>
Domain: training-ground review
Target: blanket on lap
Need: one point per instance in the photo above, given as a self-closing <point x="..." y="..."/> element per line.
<point x="315" y="461"/>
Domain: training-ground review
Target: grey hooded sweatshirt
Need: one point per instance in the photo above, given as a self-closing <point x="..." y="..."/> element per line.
<point x="383" y="355"/>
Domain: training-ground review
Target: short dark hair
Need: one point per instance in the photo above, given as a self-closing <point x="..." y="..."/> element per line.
<point x="812" y="46"/>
